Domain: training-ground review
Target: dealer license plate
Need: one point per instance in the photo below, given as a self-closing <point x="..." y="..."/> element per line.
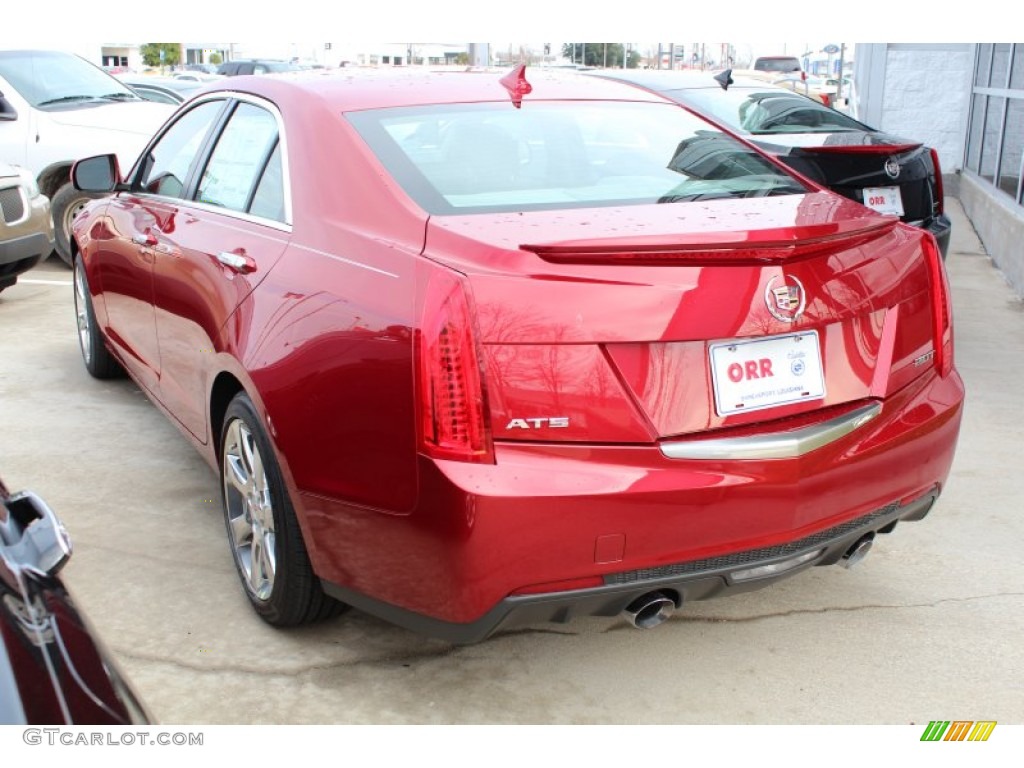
<point x="884" y="199"/>
<point x="753" y="374"/>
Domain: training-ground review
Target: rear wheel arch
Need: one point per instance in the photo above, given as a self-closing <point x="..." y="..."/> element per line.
<point x="263" y="530"/>
<point x="225" y="387"/>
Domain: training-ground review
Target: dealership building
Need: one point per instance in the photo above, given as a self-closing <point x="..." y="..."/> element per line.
<point x="967" y="101"/>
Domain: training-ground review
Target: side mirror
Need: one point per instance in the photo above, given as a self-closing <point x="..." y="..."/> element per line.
<point x="96" y="174"/>
<point x="32" y="538"/>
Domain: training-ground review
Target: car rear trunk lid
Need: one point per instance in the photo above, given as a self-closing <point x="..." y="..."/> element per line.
<point x="624" y="333"/>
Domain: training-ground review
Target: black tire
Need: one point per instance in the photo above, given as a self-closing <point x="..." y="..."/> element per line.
<point x="65" y="204"/>
<point x="97" y="358"/>
<point x="263" y="532"/>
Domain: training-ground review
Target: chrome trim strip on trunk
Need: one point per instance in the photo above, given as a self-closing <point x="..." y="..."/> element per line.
<point x="781" y="445"/>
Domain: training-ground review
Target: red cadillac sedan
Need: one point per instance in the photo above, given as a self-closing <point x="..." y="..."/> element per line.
<point x="471" y="351"/>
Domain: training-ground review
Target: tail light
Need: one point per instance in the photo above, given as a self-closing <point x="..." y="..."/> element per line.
<point x="453" y="424"/>
<point x="942" y="317"/>
<point x="826" y="99"/>
<point x="940" y="198"/>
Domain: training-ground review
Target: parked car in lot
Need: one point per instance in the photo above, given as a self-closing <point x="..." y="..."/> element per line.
<point x="56" y="107"/>
<point x="208" y="69"/>
<point x="163" y="90"/>
<point x="256" y="67"/>
<point x="778" y="64"/>
<point x="26" y="230"/>
<point x="471" y="351"/>
<point x="197" y="77"/>
<point x="892" y="175"/>
<point x="816" y="88"/>
<point x="53" y="669"/>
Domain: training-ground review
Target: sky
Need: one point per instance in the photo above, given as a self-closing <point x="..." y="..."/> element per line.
<point x="27" y="24"/>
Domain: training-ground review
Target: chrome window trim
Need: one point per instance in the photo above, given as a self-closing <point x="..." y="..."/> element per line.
<point x="229" y="212"/>
<point x="781" y="445"/>
<point x="229" y="96"/>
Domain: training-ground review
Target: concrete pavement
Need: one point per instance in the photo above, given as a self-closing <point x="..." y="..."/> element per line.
<point x="928" y="627"/>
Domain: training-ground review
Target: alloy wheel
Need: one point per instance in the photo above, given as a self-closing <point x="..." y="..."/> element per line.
<point x="250" y="510"/>
<point x="82" y="313"/>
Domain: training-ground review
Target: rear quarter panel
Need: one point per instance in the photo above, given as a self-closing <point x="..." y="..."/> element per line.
<point x="327" y="338"/>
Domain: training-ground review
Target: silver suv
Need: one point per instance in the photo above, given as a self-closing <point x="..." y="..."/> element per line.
<point x="26" y="230"/>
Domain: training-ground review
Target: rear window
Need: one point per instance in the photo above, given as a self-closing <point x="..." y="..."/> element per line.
<point x="769" y="111"/>
<point x="777" y="64"/>
<point x="550" y="155"/>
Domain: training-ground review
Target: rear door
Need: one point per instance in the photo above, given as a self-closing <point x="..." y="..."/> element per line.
<point x="225" y="239"/>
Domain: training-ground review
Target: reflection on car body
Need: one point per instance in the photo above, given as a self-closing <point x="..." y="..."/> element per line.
<point x="827" y="146"/>
<point x="360" y="288"/>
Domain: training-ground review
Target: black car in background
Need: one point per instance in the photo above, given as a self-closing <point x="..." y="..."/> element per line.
<point x="890" y="174"/>
<point x="53" y="671"/>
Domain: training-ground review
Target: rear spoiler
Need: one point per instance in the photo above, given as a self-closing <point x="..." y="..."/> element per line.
<point x="765" y="246"/>
<point x="861" y="149"/>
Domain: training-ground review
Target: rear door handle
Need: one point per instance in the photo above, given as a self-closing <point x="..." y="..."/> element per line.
<point x="239" y="262"/>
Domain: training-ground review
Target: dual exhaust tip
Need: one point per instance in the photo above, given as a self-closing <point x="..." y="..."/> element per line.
<point x="650" y="610"/>
<point x="858" y="551"/>
<point x="655" y="608"/>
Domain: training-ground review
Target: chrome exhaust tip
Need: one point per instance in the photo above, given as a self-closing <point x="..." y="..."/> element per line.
<point x="858" y="551"/>
<point x="650" y="610"/>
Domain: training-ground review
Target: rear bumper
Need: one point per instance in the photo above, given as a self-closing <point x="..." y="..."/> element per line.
<point x="552" y="531"/>
<point x="683" y="582"/>
<point x="940" y="227"/>
<point x="27" y="241"/>
<point x="20" y="254"/>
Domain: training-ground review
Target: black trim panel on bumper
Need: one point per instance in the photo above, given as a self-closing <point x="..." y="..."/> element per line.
<point x="941" y="227"/>
<point x="692" y="580"/>
<point x="29" y="249"/>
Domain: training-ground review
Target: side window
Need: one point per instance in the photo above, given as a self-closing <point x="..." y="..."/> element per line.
<point x="245" y="154"/>
<point x="268" y="201"/>
<point x="166" y="166"/>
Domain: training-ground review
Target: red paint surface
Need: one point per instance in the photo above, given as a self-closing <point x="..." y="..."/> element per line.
<point x="598" y="357"/>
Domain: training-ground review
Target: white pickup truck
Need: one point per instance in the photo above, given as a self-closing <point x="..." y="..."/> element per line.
<point x="56" y="108"/>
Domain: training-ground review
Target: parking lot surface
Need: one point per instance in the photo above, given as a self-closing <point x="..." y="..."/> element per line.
<point x="927" y="627"/>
